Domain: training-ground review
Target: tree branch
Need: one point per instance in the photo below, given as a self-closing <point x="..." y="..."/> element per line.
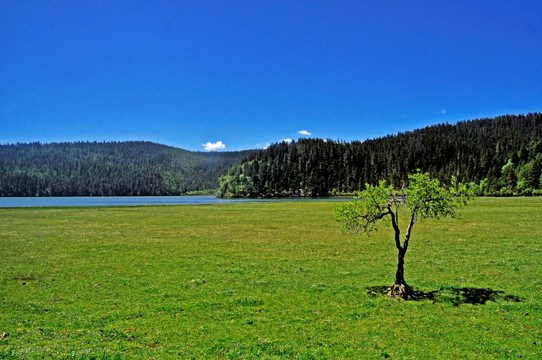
<point x="396" y="228"/>
<point x="407" y="235"/>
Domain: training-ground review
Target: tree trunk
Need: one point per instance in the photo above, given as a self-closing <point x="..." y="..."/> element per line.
<point x="400" y="287"/>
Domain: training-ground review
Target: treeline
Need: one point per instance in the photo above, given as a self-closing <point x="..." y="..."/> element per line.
<point x="109" y="169"/>
<point x="499" y="156"/>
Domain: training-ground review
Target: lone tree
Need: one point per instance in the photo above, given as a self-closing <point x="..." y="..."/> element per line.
<point x="424" y="197"/>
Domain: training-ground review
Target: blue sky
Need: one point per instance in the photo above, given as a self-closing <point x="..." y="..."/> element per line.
<point x="247" y="73"/>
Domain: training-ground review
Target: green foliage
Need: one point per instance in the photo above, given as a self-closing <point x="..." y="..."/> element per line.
<point x="522" y="172"/>
<point x="473" y="151"/>
<point x="424" y="197"/>
<point x="371" y="205"/>
<point x="427" y="198"/>
<point x="236" y="186"/>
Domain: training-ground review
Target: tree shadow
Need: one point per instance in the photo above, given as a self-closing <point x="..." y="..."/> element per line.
<point x="456" y="296"/>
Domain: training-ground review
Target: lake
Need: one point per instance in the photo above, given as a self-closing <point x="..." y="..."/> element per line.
<point x="134" y="200"/>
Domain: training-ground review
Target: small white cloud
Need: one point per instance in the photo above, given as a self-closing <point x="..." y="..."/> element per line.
<point x="266" y="145"/>
<point x="443" y="111"/>
<point x="287" y="140"/>
<point x="209" y="146"/>
<point x="304" y="132"/>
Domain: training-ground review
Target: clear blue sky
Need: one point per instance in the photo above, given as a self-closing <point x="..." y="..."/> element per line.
<point x="247" y="73"/>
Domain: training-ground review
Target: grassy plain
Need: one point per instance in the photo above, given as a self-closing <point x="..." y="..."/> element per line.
<point x="267" y="281"/>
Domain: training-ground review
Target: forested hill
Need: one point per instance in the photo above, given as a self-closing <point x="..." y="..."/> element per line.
<point x="501" y="155"/>
<point x="108" y="168"/>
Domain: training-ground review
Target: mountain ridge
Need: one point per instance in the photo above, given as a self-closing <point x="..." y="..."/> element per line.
<point x="138" y="168"/>
<point x="475" y="151"/>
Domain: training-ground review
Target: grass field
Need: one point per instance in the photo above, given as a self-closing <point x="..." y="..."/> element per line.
<point x="267" y="281"/>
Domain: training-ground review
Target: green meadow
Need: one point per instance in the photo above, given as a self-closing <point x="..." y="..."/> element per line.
<point x="267" y="281"/>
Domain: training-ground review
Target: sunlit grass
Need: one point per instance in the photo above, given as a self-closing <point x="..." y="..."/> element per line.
<point x="266" y="280"/>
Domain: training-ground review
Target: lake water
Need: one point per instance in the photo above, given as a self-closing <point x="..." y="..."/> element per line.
<point x="134" y="200"/>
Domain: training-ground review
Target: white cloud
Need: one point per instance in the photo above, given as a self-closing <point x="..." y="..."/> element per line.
<point x="287" y="140"/>
<point x="266" y="145"/>
<point x="443" y="111"/>
<point x="209" y="146"/>
<point x="304" y="132"/>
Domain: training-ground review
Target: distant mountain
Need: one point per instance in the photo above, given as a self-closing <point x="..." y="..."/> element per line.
<point x="500" y="156"/>
<point x="109" y="169"/>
